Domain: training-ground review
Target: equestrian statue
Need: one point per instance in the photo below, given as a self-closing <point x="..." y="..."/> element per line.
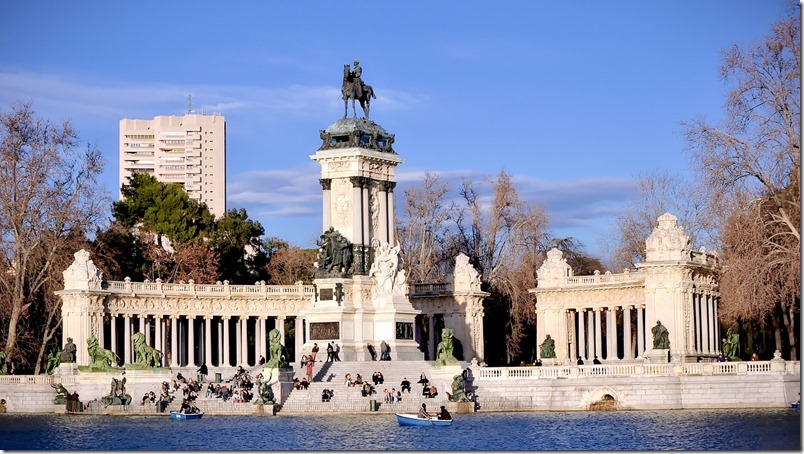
<point x="353" y="88"/>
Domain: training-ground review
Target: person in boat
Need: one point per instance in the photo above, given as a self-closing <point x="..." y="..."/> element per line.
<point x="423" y="412"/>
<point x="185" y="407"/>
<point x="444" y="415"/>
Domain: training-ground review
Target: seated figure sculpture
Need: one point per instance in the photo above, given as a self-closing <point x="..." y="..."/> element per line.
<point x="444" y="355"/>
<point x="548" y="348"/>
<point x="278" y="356"/>
<point x="68" y="354"/>
<point x="660" y="336"/>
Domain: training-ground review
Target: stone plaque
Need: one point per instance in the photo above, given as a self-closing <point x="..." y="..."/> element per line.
<point x="324" y="331"/>
<point x="404" y="330"/>
<point x="325" y="294"/>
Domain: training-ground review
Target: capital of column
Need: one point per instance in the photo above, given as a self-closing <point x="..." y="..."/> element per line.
<point x="208" y="317"/>
<point x="598" y="309"/>
<point x="190" y="317"/>
<point x="387" y="186"/>
<point x="326" y="183"/>
<point x="359" y="182"/>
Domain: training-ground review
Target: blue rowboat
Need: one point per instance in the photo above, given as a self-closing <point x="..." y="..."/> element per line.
<point x="183" y="416"/>
<point x="795" y="405"/>
<point x="412" y="419"/>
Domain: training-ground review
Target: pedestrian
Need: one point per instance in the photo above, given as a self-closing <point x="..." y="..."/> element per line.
<point x="336" y="353"/>
<point x="309" y="371"/>
<point x="315" y="351"/>
<point x="330" y="352"/>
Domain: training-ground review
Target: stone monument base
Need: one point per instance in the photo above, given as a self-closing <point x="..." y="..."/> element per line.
<point x="550" y="362"/>
<point x="658" y="355"/>
<point x="65" y="369"/>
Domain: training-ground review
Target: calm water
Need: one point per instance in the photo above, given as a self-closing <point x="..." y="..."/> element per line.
<point x="778" y="429"/>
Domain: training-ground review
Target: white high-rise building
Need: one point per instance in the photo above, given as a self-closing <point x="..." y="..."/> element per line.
<point x="189" y="150"/>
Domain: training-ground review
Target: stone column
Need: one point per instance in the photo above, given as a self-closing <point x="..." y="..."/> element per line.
<point x="158" y="339"/>
<point x="127" y="338"/>
<point x="326" y="186"/>
<point x="174" y="352"/>
<point x="627" y="333"/>
<point x="145" y="328"/>
<point x="705" y="339"/>
<point x="640" y="331"/>
<point x="244" y="341"/>
<point x="261" y="340"/>
<point x="718" y="346"/>
<point x="611" y="339"/>
<point x="225" y="322"/>
<point x="710" y="320"/>
<point x="431" y="336"/>
<point x="208" y="340"/>
<point x="357" y="207"/>
<point x="598" y="334"/>
<point x="298" y="341"/>
<point x="191" y="341"/>
<point x="590" y="323"/>
<point x="581" y="334"/>
<point x="390" y="185"/>
<point x="366" y="215"/>
<point x="696" y="310"/>
<point x="113" y="332"/>
<point x="280" y="325"/>
<point x="382" y="195"/>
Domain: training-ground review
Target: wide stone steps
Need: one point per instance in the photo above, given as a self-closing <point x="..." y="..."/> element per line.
<point x="348" y="399"/>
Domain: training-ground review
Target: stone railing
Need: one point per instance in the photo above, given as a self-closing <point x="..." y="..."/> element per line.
<point x="429" y="289"/>
<point x="36" y="379"/>
<point x="606" y="278"/>
<point x="300" y="291"/>
<point x="636" y="369"/>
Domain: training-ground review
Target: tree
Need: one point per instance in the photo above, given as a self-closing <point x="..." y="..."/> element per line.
<point x="505" y="239"/>
<point x="752" y="160"/>
<point x="48" y="193"/>
<point x="237" y="241"/>
<point x="422" y="230"/>
<point x="290" y="264"/>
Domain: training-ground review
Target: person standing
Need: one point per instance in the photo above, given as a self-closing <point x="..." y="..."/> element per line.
<point x="315" y="351"/>
<point x="330" y="352"/>
<point x="335" y="355"/>
<point x="309" y="371"/>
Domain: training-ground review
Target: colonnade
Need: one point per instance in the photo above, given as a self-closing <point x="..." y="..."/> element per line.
<point x="589" y="339"/>
<point x="706" y="329"/>
<point x="191" y="340"/>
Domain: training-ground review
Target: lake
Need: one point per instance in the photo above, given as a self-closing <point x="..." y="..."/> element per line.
<point x="749" y="429"/>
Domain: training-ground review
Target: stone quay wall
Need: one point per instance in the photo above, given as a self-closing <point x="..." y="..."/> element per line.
<point x="754" y="384"/>
<point x="636" y="386"/>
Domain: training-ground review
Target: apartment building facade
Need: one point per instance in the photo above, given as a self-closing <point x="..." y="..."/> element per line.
<point x="189" y="150"/>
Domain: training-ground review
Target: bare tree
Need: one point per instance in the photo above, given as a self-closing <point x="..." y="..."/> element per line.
<point x="754" y="157"/>
<point x="422" y="230"/>
<point x="48" y="189"/>
<point x="290" y="264"/>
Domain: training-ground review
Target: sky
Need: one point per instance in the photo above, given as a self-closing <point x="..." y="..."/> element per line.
<point x="575" y="100"/>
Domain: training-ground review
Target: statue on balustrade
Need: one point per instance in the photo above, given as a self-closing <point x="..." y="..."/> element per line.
<point x="444" y="356"/>
<point x="661" y="338"/>
<point x="548" y="348"/>
<point x="100" y="359"/>
<point x="278" y="354"/>
<point x="264" y="395"/>
<point x="52" y="362"/>
<point x="145" y="356"/>
<point x="117" y="395"/>
<point x="730" y="344"/>
<point x="68" y="354"/>
<point x="458" y="389"/>
<point x="61" y="394"/>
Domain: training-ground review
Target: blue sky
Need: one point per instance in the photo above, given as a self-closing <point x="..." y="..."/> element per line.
<point x="573" y="99"/>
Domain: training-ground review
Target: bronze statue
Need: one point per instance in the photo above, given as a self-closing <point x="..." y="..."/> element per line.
<point x="353" y="88"/>
<point x="100" y="358"/>
<point x="117" y="395"/>
<point x="68" y="354"/>
<point x="145" y="355"/>
<point x="458" y="389"/>
<point x="334" y="253"/>
<point x="278" y="356"/>
<point x="264" y="395"/>
<point x="61" y="394"/>
<point x="52" y="362"/>
<point x="3" y="357"/>
<point x="548" y="348"/>
<point x="444" y="351"/>
<point x="730" y="344"/>
<point x="661" y="338"/>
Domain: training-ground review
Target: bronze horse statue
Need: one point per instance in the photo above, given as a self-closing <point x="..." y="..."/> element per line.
<point x="349" y="90"/>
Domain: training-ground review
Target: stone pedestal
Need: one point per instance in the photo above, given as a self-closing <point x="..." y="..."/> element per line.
<point x="66" y="369"/>
<point x="550" y="362"/>
<point x="658" y="356"/>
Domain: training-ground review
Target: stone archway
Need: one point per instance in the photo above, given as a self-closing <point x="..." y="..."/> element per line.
<point x="602" y="398"/>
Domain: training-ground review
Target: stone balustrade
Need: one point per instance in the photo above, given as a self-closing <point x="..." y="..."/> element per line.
<point x="259" y="291"/>
<point x="637" y="369"/>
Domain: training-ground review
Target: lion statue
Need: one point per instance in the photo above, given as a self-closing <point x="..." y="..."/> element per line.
<point x="444" y="355"/>
<point x="144" y="354"/>
<point x="278" y="356"/>
<point x="100" y="358"/>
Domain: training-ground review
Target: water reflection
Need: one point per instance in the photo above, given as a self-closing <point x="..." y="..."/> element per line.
<point x="778" y="429"/>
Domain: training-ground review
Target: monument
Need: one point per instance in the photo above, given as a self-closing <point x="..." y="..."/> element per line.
<point x="361" y="296"/>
